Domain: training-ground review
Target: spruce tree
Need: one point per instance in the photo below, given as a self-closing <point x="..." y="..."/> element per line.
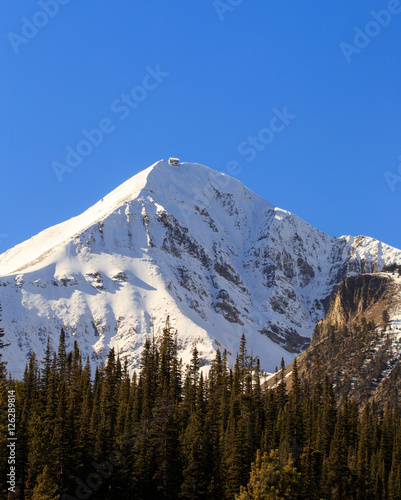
<point x="197" y="470"/>
<point x="46" y="487"/>
<point x="311" y="468"/>
<point x="364" y="451"/>
<point x="62" y="355"/>
<point x="338" y="477"/>
<point x="281" y="387"/>
<point x="165" y="440"/>
<point x="272" y="479"/>
<point x="294" y="427"/>
<point x="108" y="406"/>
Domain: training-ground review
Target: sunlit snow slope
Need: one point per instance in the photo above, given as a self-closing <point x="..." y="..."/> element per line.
<point x="187" y="242"/>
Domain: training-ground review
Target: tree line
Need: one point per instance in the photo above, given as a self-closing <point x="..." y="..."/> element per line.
<point x="392" y="268"/>
<point x="169" y="432"/>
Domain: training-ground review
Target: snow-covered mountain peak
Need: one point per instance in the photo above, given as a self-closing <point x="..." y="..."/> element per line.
<point x="169" y="188"/>
<point x="188" y="242"/>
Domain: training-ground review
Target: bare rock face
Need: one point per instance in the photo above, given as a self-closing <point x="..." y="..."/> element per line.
<point x="358" y="342"/>
<point x="289" y="339"/>
<point x="355" y="296"/>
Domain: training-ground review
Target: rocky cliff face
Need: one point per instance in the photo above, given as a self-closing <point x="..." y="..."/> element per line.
<point x="186" y="242"/>
<point x="357" y="296"/>
<point x="358" y="342"/>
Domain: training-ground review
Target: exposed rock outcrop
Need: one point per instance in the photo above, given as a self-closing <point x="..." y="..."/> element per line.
<point x="358" y="343"/>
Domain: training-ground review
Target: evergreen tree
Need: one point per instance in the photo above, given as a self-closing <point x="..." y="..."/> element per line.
<point x="364" y="453"/>
<point x="311" y="468"/>
<point x="46" y="487"/>
<point x="339" y="481"/>
<point x="326" y="420"/>
<point x="107" y="407"/>
<point x="197" y="470"/>
<point x="195" y="437"/>
<point x="294" y="425"/>
<point x="272" y="479"/>
<point x="167" y="354"/>
<point x="281" y="387"/>
<point x="61" y="355"/>
<point x="165" y="439"/>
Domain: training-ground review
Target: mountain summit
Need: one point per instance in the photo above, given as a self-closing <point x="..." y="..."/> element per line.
<point x="185" y="242"/>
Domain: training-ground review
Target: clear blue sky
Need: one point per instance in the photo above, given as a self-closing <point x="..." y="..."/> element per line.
<point x="231" y="71"/>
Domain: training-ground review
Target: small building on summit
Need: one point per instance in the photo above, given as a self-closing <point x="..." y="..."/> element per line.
<point x="174" y="162"/>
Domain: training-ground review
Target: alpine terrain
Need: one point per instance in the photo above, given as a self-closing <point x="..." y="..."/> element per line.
<point x="185" y="242"/>
<point x="358" y="343"/>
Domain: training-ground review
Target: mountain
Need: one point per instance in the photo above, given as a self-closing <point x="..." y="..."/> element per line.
<point x="358" y="343"/>
<point x="185" y="242"/>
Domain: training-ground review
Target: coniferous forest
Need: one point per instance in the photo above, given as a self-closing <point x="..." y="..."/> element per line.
<point x="168" y="432"/>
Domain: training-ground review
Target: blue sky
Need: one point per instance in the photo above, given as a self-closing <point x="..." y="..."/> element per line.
<point x="205" y="80"/>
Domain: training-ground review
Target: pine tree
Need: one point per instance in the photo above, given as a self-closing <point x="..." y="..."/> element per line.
<point x="311" y="467"/>
<point x="216" y="415"/>
<point x="61" y="355"/>
<point x="190" y="388"/>
<point x="272" y="479"/>
<point x="196" y="439"/>
<point x="235" y="456"/>
<point x="123" y="401"/>
<point x="38" y="452"/>
<point x="84" y="438"/>
<point x="281" y="387"/>
<point x="46" y="487"/>
<point x="165" y="440"/>
<point x="196" y="471"/>
<point x="394" y="482"/>
<point x="338" y="477"/>
<point x="167" y="354"/>
<point x="239" y="434"/>
<point x="364" y="451"/>
<point x="326" y="418"/>
<point x="294" y="427"/>
<point x="47" y="364"/>
<point x="107" y="407"/>
<point x="148" y="383"/>
<point x="60" y="439"/>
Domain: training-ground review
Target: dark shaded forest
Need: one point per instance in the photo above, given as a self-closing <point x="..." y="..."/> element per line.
<point x="168" y="432"/>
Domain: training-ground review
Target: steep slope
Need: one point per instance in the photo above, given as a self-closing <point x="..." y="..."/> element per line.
<point x="358" y="343"/>
<point x="187" y="242"/>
